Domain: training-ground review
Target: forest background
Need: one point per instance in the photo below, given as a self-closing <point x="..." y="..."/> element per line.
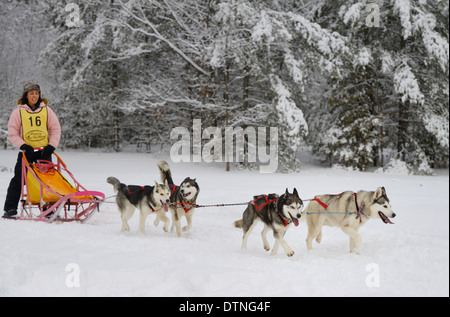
<point x="361" y="83"/>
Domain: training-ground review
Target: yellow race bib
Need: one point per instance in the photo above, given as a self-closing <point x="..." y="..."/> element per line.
<point x="34" y="128"/>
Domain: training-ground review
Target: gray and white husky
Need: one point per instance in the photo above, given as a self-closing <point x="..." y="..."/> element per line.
<point x="348" y="211"/>
<point x="277" y="213"/>
<point x="183" y="198"/>
<point x="148" y="199"/>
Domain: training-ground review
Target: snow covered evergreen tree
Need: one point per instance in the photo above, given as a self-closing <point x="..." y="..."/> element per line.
<point x="89" y="78"/>
<point x="401" y="69"/>
<point x="274" y="48"/>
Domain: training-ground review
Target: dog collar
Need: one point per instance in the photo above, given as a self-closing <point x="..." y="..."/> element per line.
<point x="284" y="220"/>
<point x="151" y="207"/>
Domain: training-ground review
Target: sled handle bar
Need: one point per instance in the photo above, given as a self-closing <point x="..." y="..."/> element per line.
<point x="60" y="161"/>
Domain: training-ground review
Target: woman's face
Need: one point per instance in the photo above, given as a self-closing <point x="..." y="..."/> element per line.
<point x="33" y="97"/>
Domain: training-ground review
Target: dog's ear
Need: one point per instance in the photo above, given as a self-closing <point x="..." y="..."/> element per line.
<point x="295" y="192"/>
<point x="378" y="193"/>
<point x="287" y="192"/>
<point x="156" y="184"/>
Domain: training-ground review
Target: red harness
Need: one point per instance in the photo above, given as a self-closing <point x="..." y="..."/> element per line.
<point x="358" y="209"/>
<point x="263" y="201"/>
<point x="135" y="189"/>
<point x="323" y="204"/>
<point x="185" y="208"/>
<point x="172" y="191"/>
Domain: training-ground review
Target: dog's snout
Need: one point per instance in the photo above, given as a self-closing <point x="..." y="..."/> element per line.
<point x="393" y="215"/>
<point x="167" y="200"/>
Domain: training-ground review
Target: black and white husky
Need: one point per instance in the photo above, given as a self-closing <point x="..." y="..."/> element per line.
<point x="183" y="198"/>
<point x="277" y="213"/>
<point x="148" y="199"/>
<point x="348" y="211"/>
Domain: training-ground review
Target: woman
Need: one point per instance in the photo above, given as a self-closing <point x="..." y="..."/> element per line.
<point x="31" y="125"/>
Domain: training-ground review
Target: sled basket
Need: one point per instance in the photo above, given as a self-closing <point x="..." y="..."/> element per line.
<point x="48" y="195"/>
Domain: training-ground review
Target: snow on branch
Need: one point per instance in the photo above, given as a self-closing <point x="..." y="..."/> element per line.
<point x="405" y="84"/>
<point x="150" y="30"/>
<point x="287" y="110"/>
<point x="435" y="44"/>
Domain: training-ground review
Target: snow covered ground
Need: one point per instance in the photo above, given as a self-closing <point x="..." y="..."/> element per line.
<point x="409" y="258"/>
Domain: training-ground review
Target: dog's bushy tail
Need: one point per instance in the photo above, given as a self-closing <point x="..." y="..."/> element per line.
<point x="238" y="223"/>
<point x="115" y="182"/>
<point x="166" y="175"/>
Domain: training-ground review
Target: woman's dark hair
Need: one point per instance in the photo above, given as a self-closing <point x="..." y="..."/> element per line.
<point x="24" y="99"/>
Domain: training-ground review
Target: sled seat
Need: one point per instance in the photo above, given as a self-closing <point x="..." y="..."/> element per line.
<point x="51" y="183"/>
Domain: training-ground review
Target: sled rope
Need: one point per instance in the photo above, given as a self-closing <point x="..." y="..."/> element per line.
<point x="190" y="204"/>
<point x="329" y="212"/>
<point x="213" y="205"/>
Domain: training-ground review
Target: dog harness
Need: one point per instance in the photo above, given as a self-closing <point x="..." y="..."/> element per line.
<point x="284" y="220"/>
<point x="173" y="189"/>
<point x="263" y="200"/>
<point x="134" y="188"/>
<point x="186" y="209"/>
<point x="359" y="209"/>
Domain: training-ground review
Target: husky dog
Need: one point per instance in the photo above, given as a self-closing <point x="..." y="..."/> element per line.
<point x="348" y="211"/>
<point x="182" y="200"/>
<point x="148" y="199"/>
<point x="277" y="213"/>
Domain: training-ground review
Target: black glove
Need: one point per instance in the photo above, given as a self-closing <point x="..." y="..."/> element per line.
<point x="29" y="153"/>
<point x="47" y="153"/>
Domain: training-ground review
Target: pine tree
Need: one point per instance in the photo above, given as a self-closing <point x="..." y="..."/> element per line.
<point x="393" y="69"/>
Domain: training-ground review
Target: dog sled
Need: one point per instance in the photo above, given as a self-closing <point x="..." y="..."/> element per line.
<point x="47" y="194"/>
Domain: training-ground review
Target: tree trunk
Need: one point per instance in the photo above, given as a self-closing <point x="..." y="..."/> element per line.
<point x="402" y="130"/>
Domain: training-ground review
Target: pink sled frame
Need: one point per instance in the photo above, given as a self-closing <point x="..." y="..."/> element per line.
<point x="67" y="208"/>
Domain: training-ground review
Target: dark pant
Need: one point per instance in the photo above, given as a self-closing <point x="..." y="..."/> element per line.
<point x="15" y="185"/>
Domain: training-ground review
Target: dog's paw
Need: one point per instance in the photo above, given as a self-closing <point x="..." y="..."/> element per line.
<point x="291" y="253"/>
<point x="267" y="247"/>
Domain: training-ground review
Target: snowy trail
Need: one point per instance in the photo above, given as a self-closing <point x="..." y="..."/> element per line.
<point x="411" y="258"/>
